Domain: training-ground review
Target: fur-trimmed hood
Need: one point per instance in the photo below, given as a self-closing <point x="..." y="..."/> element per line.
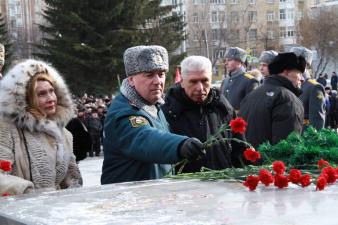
<point x="13" y="99"/>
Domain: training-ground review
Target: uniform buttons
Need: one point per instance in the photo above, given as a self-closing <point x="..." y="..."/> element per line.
<point x="174" y="116"/>
<point x="170" y="111"/>
<point x="230" y="80"/>
<point x="227" y="90"/>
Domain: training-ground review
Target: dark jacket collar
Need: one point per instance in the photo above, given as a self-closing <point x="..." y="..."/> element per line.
<point x="284" y="82"/>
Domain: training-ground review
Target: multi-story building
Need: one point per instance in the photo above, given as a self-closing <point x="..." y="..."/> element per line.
<point x="254" y="25"/>
<point x="22" y="18"/>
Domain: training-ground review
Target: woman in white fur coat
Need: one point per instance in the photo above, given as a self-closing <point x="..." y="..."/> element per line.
<point x="35" y="106"/>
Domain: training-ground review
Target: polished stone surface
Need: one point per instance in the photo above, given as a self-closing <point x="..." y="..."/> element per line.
<point x="175" y="202"/>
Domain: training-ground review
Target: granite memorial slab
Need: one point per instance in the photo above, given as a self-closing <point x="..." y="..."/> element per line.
<point x="174" y="202"/>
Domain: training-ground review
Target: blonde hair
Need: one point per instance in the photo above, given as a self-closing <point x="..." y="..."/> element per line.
<point x="32" y="98"/>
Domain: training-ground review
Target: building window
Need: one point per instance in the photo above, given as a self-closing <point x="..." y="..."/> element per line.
<point x="282" y="15"/>
<point x="195" y="36"/>
<point x="214" y="16"/>
<point x="195" y="17"/>
<point x="253" y="34"/>
<point x="281" y="0"/>
<point x="252" y="16"/>
<point x="270" y="34"/>
<point x="290" y="32"/>
<point x="252" y="2"/>
<point x="270" y="15"/>
<point x="233" y="1"/>
<point x="234" y="16"/>
<point x="269" y="1"/>
<point x="217" y="1"/>
<point x="221" y="16"/>
<point x="214" y="35"/>
<point x="282" y="32"/>
<point x="289" y="14"/>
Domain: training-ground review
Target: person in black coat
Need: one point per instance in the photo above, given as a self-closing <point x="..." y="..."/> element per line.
<point x="193" y="109"/>
<point x="273" y="110"/>
<point x="82" y="142"/>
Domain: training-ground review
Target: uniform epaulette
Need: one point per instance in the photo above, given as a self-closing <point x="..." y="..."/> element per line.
<point x="313" y="81"/>
<point x="248" y="76"/>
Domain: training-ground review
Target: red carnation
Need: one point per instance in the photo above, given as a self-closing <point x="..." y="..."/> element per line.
<point x="278" y="167"/>
<point x="322" y="163"/>
<point x="238" y="125"/>
<point x="251" y="155"/>
<point x="265" y="177"/>
<point x="6" y="165"/>
<point x="5" y="194"/>
<point x="294" y="176"/>
<point x="305" y="180"/>
<point x="251" y="182"/>
<point x="321" y="183"/>
<point x="330" y="174"/>
<point x="281" y="181"/>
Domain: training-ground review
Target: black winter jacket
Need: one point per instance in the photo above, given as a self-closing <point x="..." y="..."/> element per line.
<point x="186" y="117"/>
<point x="272" y="111"/>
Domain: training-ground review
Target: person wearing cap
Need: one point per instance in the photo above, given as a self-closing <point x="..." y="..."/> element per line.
<point x="195" y="109"/>
<point x="137" y="143"/>
<point x="313" y="93"/>
<point x="264" y="60"/>
<point x="273" y="110"/>
<point x="2" y="58"/>
<point x="238" y="84"/>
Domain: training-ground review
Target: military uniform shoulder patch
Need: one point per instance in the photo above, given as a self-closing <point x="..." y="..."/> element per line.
<point x="138" y="121"/>
<point x="248" y="76"/>
<point x="313" y="81"/>
<point x="320" y="96"/>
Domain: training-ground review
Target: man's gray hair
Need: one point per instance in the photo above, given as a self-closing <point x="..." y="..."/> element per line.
<point x="195" y="63"/>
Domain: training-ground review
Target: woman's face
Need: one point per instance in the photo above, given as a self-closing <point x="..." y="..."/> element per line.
<point x="46" y="98"/>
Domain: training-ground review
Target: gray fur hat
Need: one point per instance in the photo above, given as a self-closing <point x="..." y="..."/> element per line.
<point x="302" y="51"/>
<point x="267" y="56"/>
<point x="236" y="53"/>
<point x="145" y="58"/>
<point x="2" y="54"/>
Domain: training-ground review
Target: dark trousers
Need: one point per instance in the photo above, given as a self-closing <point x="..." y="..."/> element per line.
<point x="96" y="139"/>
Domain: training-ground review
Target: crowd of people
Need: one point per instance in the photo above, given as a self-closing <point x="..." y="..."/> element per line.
<point x="45" y="131"/>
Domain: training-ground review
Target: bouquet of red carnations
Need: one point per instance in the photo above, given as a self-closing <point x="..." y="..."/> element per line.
<point x="276" y="173"/>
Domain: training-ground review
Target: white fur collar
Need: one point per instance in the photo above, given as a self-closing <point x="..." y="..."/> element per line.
<point x="13" y="101"/>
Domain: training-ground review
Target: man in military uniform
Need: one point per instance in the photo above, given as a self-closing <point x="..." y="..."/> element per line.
<point x="2" y="58"/>
<point x="238" y="84"/>
<point x="313" y="94"/>
<point x="273" y="110"/>
<point x="264" y="60"/>
<point x="137" y="144"/>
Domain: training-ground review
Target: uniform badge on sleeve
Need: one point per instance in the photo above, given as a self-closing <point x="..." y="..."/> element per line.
<point x="320" y="96"/>
<point x="138" y="121"/>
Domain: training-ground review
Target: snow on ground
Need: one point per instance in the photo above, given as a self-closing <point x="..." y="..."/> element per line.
<point x="91" y="171"/>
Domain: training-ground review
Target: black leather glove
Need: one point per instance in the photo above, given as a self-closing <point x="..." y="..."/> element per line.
<point x="191" y="149"/>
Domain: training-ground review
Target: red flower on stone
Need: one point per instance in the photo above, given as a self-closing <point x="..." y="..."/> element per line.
<point x="321" y="183"/>
<point x="5" y="165"/>
<point x="278" y="167"/>
<point x="251" y="182"/>
<point x="5" y="194"/>
<point x="322" y="163"/>
<point x="330" y="174"/>
<point x="294" y="176"/>
<point x="305" y="180"/>
<point x="238" y="125"/>
<point x="281" y="181"/>
<point x="251" y="155"/>
<point x="265" y="177"/>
